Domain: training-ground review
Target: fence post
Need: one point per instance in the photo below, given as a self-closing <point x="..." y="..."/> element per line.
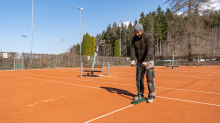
<point x="14" y="63"/>
<point x="22" y="63"/>
<point x="56" y="61"/>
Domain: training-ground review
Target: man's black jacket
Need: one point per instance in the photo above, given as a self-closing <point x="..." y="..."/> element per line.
<point x="142" y="48"/>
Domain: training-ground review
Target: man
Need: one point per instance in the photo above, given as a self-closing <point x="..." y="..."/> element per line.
<point x="142" y="49"/>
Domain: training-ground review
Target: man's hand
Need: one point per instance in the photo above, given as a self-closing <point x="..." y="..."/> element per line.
<point x="144" y="64"/>
<point x="133" y="63"/>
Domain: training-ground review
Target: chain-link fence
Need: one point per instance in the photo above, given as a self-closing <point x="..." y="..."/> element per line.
<point x="50" y="61"/>
<point x="7" y="63"/>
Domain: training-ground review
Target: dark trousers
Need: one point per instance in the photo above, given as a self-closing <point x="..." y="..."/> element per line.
<point x="150" y="74"/>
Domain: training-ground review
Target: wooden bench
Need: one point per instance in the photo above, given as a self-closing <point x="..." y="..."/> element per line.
<point x="88" y="68"/>
<point x="172" y="66"/>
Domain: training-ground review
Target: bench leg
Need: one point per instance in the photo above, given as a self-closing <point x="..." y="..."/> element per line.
<point x="92" y="73"/>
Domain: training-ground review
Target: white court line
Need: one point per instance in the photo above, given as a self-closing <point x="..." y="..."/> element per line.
<point x="188" y="76"/>
<point x="173" y="75"/>
<point x="212" y="73"/>
<point x="122" y="84"/>
<point x="109" y="113"/>
<point x="188" y="101"/>
<point x="189" y="90"/>
<point x="116" y="90"/>
<point x="131" y="84"/>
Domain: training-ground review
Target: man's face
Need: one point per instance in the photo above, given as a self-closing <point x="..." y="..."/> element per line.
<point x="139" y="33"/>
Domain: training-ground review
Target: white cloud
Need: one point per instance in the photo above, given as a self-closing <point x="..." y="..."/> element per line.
<point x="179" y="13"/>
<point x="126" y="24"/>
<point x="62" y="51"/>
<point x="215" y="5"/>
<point x="212" y="5"/>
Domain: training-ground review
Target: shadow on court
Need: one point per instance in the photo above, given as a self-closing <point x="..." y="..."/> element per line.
<point x="120" y="92"/>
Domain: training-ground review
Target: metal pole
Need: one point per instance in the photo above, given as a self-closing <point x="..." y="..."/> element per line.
<point x="14" y="63"/>
<point x="138" y="80"/>
<point x="120" y="39"/>
<point x="22" y="63"/>
<point x="80" y="38"/>
<point x="80" y="32"/>
<point x="173" y="59"/>
<point x="32" y="29"/>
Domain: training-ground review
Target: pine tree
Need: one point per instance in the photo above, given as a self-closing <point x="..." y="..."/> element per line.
<point x="86" y="44"/>
<point x="158" y="28"/>
<point x="117" y="48"/>
<point x="92" y="49"/>
<point x="130" y="35"/>
<point x="78" y="49"/>
<point x="142" y="20"/>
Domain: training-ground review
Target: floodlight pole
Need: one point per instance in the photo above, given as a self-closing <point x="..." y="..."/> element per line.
<point x="32" y="29"/>
<point x="81" y="9"/>
<point x="120" y="38"/>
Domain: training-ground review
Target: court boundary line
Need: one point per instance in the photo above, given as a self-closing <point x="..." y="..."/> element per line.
<point x="126" y="84"/>
<point x="109" y="113"/>
<point x="116" y="90"/>
<point x="189" y="101"/>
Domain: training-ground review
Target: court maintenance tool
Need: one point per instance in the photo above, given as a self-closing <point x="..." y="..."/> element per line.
<point x="140" y="99"/>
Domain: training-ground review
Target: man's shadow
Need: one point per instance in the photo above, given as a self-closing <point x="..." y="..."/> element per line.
<point x="120" y="92"/>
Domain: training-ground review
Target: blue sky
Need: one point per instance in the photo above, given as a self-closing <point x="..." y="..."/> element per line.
<point x="55" y="20"/>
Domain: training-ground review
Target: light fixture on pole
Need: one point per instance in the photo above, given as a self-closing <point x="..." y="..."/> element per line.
<point x="120" y="38"/>
<point x="24" y="36"/>
<point x="81" y="9"/>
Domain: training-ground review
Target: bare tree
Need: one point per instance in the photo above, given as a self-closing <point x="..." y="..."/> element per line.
<point x="189" y="8"/>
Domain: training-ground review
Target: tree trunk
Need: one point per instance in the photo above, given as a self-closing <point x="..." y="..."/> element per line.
<point x="157" y="48"/>
<point x="160" y="49"/>
<point x="190" y="42"/>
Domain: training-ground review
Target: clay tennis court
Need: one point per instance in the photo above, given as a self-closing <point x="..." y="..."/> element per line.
<point x="186" y="94"/>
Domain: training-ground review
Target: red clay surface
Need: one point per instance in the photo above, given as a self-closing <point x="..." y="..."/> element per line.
<point x="186" y="94"/>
